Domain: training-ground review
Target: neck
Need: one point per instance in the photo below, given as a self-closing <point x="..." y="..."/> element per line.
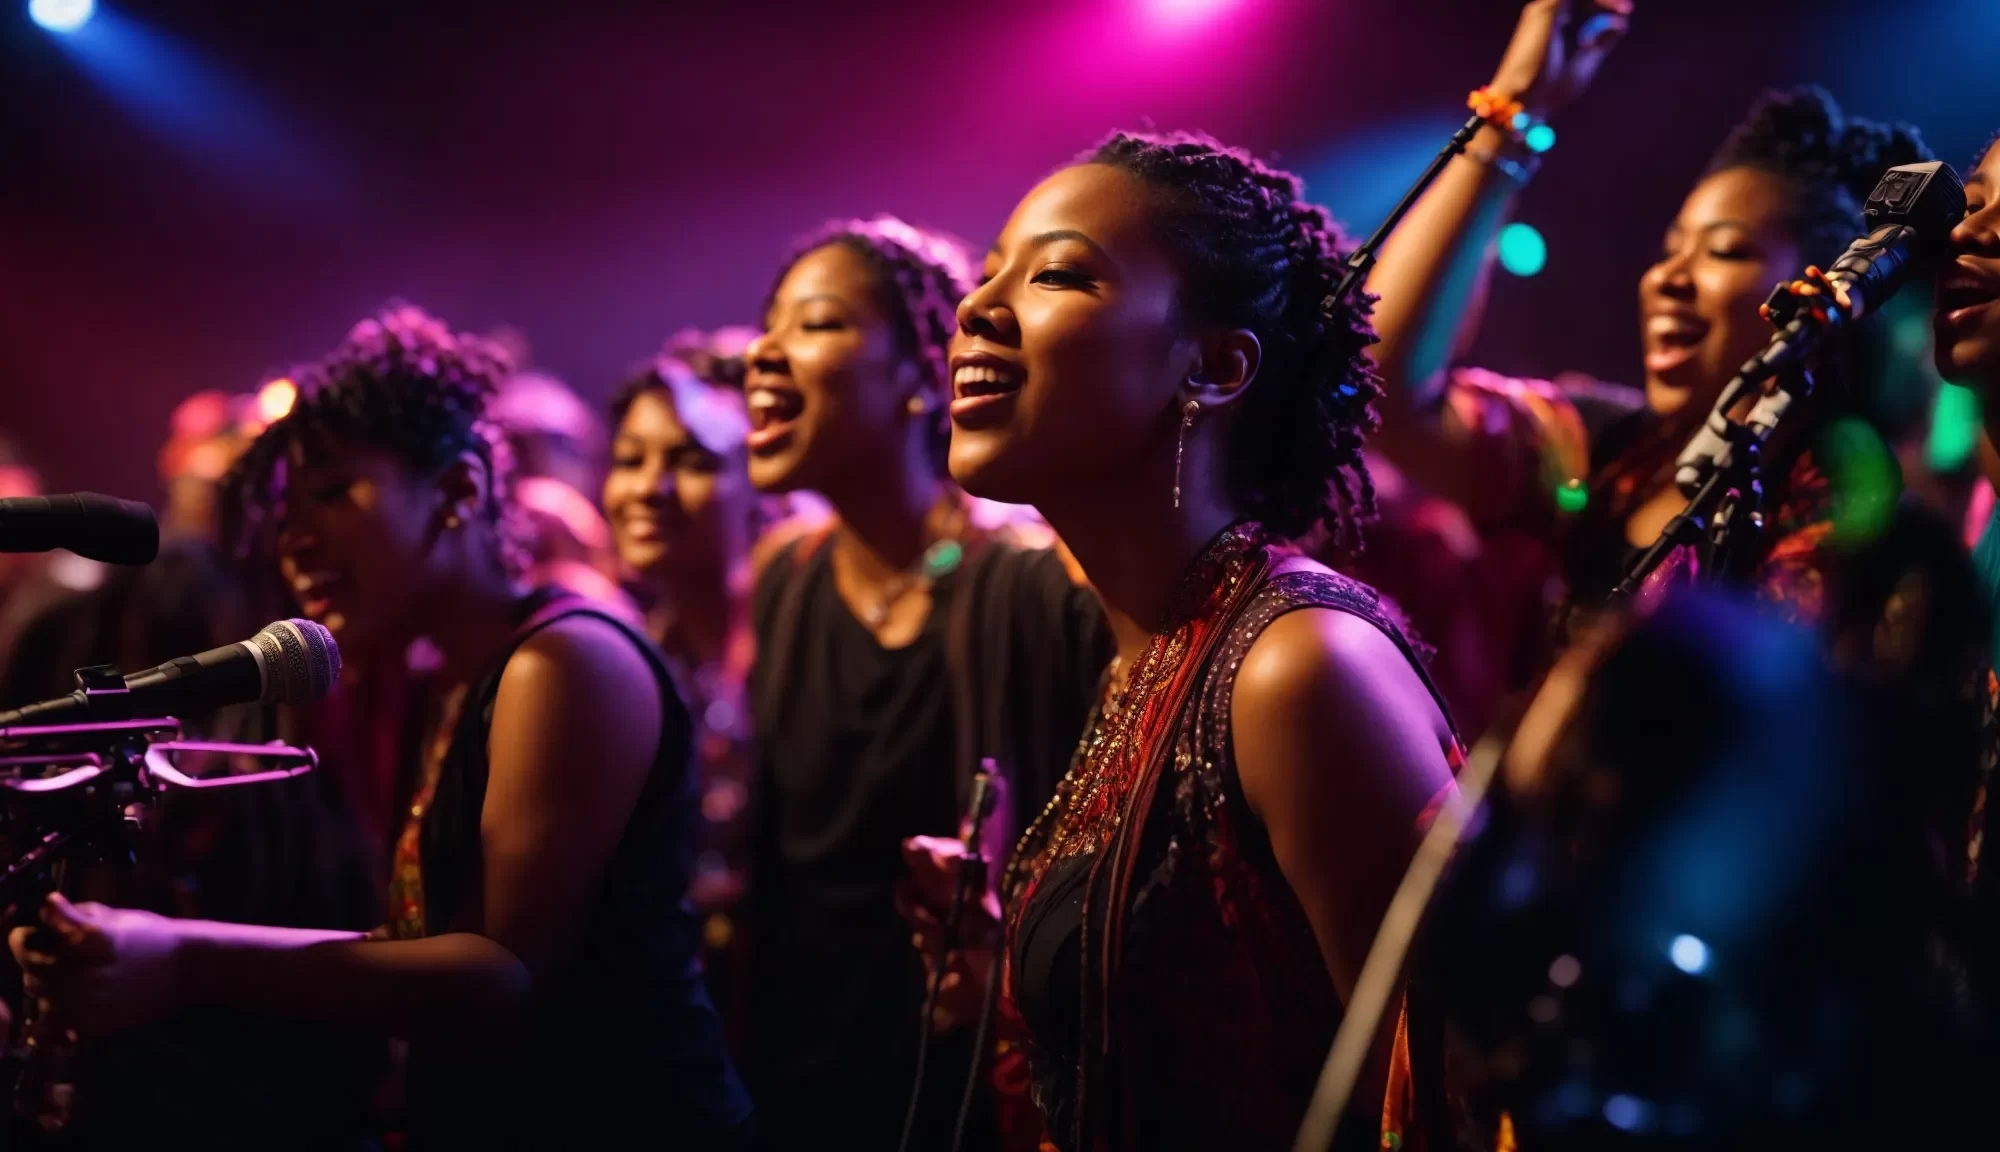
<point x="1135" y="551"/>
<point x="885" y="528"/>
<point x="479" y="623"/>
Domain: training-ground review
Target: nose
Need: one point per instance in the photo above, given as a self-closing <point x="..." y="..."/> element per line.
<point x="984" y="313"/>
<point x="763" y="354"/>
<point x="1670" y="277"/>
<point x="1979" y="233"/>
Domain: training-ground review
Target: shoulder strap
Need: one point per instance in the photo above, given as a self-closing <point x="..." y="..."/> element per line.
<point x="779" y="647"/>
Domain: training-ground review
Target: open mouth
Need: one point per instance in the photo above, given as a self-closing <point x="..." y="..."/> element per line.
<point x="1672" y="339"/>
<point x="983" y="388"/>
<point x="1962" y="293"/>
<point x="773" y="410"/>
<point x="315" y="592"/>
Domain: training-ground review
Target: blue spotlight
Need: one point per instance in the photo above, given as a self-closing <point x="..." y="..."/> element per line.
<point x="61" y="15"/>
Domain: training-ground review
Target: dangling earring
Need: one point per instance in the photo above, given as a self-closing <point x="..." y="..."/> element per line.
<point x="1188" y="411"/>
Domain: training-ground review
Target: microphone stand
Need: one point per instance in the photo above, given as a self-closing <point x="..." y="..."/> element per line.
<point x="1724" y="518"/>
<point x="1361" y="261"/>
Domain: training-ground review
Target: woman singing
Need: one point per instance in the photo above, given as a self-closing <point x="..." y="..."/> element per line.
<point x="898" y="646"/>
<point x="1156" y="362"/>
<point x="1785" y="190"/>
<point x="538" y="957"/>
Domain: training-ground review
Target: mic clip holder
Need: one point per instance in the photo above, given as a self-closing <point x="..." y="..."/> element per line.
<point x="1724" y="518"/>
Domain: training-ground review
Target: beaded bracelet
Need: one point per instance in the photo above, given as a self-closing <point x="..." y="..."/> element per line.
<point x="1507" y="115"/>
<point x="1520" y="172"/>
<point x="1495" y="107"/>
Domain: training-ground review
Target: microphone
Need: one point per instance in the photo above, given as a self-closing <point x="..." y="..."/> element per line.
<point x="289" y="662"/>
<point x="1910" y="216"/>
<point x="97" y="527"/>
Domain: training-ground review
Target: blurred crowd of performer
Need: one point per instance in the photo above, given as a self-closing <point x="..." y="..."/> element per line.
<point x="657" y="724"/>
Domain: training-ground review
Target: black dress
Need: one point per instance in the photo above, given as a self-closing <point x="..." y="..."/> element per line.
<point x="859" y="747"/>
<point x="627" y="1050"/>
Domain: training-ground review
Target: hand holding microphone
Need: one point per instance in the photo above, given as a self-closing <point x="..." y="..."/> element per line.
<point x="948" y="900"/>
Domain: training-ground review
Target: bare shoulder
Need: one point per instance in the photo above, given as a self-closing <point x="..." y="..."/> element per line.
<point x="1321" y="688"/>
<point x="577" y="673"/>
<point x="1319" y="657"/>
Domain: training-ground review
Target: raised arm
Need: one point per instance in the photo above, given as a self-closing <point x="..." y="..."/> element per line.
<point x="1432" y="271"/>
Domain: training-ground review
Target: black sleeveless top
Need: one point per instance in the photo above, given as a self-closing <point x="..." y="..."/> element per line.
<point x="858" y="747"/>
<point x="625" y="1045"/>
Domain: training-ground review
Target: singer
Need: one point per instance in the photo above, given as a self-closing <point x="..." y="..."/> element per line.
<point x="537" y="908"/>
<point x="1784" y="190"/>
<point x="1155" y="361"/>
<point x="897" y="646"/>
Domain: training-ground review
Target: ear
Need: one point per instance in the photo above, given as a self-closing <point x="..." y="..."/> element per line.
<point x="1225" y="362"/>
<point x="464" y="485"/>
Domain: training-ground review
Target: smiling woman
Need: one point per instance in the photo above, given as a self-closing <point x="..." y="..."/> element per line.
<point x="898" y="646"/>
<point x="1156" y="360"/>
<point x="1562" y="482"/>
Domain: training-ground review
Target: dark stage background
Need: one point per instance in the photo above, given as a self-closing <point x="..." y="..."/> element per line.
<point x="196" y="195"/>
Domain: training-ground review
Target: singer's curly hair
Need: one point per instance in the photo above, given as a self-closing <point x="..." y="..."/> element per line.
<point x="402" y="382"/>
<point x="921" y="276"/>
<point x="1253" y="254"/>
<point x="1831" y="160"/>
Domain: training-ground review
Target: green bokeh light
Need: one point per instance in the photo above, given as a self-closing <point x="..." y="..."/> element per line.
<point x="1572" y="497"/>
<point x="1864" y="476"/>
<point x="1955" y="419"/>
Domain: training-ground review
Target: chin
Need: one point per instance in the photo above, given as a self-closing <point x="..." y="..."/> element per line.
<point x="1971" y="361"/>
<point x="777" y="473"/>
<point x="984" y="464"/>
<point x="1664" y="398"/>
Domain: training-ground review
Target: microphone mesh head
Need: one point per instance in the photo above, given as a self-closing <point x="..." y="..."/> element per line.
<point x="301" y="661"/>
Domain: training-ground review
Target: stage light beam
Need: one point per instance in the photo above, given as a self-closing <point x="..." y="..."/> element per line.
<point x="61" y="15"/>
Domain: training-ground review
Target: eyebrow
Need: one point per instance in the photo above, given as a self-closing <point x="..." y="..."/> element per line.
<point x="1059" y="234"/>
<point x="1975" y="178"/>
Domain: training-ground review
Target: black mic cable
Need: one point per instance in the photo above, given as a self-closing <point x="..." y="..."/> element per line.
<point x="971" y="878"/>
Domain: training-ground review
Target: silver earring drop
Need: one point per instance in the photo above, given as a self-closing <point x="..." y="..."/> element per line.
<point x="1188" y="411"/>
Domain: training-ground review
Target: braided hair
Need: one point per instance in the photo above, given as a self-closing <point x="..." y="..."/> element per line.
<point x="402" y="382"/>
<point x="1830" y="160"/>
<point x="1252" y="254"/>
<point x="920" y="276"/>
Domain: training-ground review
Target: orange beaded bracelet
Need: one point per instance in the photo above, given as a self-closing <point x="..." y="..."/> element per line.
<point x="1496" y="108"/>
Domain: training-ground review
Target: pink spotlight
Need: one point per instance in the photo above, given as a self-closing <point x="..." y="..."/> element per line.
<point x="1183" y="13"/>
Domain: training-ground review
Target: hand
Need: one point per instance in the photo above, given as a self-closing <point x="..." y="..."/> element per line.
<point x="1546" y="66"/>
<point x="924" y="899"/>
<point x="97" y="969"/>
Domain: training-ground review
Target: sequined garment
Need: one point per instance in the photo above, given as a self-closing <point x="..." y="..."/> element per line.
<point x="1205" y="1007"/>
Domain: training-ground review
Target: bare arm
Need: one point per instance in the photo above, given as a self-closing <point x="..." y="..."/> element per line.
<point x="575" y="727"/>
<point x="1340" y="749"/>
<point x="1433" y="269"/>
